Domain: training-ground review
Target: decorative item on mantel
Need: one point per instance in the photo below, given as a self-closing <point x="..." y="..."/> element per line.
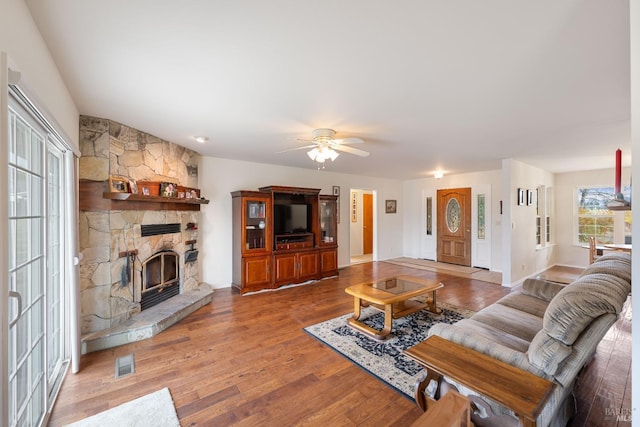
<point x="618" y="203"/>
<point x="116" y="194"/>
<point x="118" y="184"/>
<point x="168" y="189"/>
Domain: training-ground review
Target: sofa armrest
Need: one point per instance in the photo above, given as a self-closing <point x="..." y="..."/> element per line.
<point x="541" y="289"/>
<point x="520" y="391"/>
<point x="474" y="341"/>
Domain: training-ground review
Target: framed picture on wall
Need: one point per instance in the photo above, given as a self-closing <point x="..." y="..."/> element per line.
<point x="354" y="207"/>
<point x="429" y="216"/>
<point x="520" y="199"/>
<point x="390" y="206"/>
<point x="529" y="197"/>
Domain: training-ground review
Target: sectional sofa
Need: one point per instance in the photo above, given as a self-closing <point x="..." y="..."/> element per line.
<point x="545" y="328"/>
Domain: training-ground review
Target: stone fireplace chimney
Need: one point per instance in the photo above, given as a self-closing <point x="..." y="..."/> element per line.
<point x="114" y="248"/>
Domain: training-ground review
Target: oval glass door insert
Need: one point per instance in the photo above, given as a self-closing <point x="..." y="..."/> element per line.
<point x="453" y="215"/>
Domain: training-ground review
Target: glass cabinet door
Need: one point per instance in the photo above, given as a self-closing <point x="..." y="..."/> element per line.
<point x="255" y="224"/>
<point x="328" y="221"/>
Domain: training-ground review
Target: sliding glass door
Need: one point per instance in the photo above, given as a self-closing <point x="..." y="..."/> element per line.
<point x="55" y="271"/>
<point x="35" y="260"/>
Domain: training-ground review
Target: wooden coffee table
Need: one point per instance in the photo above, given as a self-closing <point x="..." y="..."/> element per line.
<point x="391" y="296"/>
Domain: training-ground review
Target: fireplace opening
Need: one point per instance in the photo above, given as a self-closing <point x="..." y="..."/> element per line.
<point x="160" y="278"/>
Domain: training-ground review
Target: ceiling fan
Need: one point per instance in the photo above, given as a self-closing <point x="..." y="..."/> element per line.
<point x="324" y="146"/>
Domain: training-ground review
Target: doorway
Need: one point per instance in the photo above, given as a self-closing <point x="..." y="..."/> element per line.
<point x="454" y="226"/>
<point x="361" y="220"/>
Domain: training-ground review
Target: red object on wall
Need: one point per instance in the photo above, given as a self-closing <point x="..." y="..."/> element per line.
<point x="618" y="170"/>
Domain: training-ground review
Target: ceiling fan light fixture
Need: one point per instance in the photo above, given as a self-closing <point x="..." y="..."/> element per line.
<point x="324" y="147"/>
<point x="333" y="154"/>
<point x="322" y="153"/>
<point x="313" y="154"/>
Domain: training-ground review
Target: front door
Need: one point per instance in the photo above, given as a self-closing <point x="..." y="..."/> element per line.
<point x="454" y="226"/>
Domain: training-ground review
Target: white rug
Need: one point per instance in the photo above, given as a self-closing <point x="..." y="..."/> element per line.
<point x="155" y="409"/>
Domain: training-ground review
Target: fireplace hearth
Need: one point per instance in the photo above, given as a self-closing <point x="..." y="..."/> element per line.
<point x="160" y="278"/>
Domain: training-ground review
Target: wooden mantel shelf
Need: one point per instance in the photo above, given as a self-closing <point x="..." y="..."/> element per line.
<point x="94" y="197"/>
<point x="154" y="199"/>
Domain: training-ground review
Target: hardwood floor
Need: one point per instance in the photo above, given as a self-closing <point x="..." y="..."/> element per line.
<point x="244" y="360"/>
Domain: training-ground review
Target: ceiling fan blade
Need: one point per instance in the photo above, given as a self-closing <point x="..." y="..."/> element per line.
<point x="349" y="141"/>
<point x="297" y="148"/>
<point x="351" y="150"/>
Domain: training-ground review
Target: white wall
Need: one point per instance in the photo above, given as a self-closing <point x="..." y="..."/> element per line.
<point x="416" y="242"/>
<point x="568" y="252"/>
<point x="522" y="259"/>
<point x="40" y="79"/>
<point x="219" y="177"/>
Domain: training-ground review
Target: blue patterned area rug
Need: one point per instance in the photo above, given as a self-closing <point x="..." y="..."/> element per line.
<point x="385" y="359"/>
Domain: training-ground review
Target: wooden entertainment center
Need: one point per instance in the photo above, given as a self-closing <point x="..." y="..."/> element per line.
<point x="282" y="236"/>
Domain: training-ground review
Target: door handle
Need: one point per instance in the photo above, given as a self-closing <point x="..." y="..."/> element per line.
<point x="16" y="295"/>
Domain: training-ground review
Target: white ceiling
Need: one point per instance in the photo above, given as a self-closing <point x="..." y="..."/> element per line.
<point x="455" y="85"/>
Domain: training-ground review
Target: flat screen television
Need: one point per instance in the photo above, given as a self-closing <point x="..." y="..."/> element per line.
<point x="291" y="218"/>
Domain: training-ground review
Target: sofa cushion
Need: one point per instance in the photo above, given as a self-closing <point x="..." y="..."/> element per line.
<point x="587" y="298"/>
<point x="616" y="264"/>
<point x="547" y="353"/>
<point x="621" y="256"/>
<point x="583" y="349"/>
<point x="467" y="330"/>
<point x="509" y="320"/>
<point x="490" y="341"/>
<point x="526" y="303"/>
<point x="542" y="289"/>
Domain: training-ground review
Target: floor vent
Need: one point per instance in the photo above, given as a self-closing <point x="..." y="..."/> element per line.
<point x="157" y="229"/>
<point x="125" y="366"/>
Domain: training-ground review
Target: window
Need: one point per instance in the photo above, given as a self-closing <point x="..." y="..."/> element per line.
<point x="538" y="222"/>
<point x="548" y="211"/>
<point x="544" y="208"/>
<point x="594" y="219"/>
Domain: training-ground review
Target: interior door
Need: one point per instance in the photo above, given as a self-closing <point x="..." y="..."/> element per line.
<point x="367" y="223"/>
<point x="454" y="226"/>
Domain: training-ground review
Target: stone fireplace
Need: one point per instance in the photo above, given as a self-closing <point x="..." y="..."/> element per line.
<point x="124" y="268"/>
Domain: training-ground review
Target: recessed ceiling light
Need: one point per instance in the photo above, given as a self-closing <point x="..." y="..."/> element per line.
<point x="201" y="139"/>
